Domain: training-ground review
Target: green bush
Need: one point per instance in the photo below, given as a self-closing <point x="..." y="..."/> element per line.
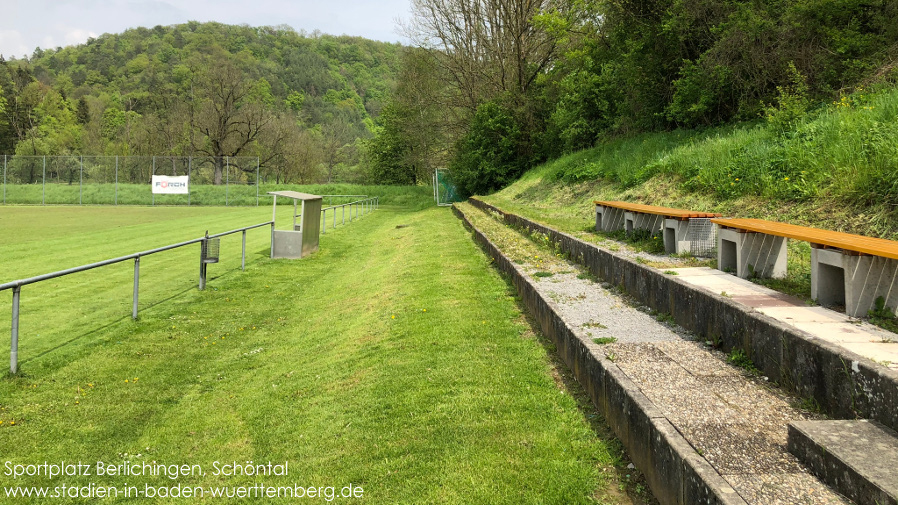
<point x="491" y="155"/>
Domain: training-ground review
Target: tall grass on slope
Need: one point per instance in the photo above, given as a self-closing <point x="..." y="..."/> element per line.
<point x="846" y="150"/>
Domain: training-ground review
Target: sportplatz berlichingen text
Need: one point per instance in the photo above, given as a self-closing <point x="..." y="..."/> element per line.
<point x="128" y="468"/>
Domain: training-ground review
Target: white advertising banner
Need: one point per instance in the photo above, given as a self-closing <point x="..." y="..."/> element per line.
<point x="170" y="185"/>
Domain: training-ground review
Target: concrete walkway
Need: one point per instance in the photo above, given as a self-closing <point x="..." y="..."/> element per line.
<point x="834" y="327"/>
<point x="737" y="422"/>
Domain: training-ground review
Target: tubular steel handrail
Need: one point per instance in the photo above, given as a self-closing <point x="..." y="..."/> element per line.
<point x="16" y="286"/>
<point x="366" y="206"/>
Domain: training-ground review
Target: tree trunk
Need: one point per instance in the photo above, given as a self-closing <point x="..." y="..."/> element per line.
<point x="219" y="168"/>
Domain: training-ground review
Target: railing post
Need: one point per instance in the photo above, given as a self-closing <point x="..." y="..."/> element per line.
<point x="323" y="221"/>
<point x="4" y="179"/>
<point x="344" y="214"/>
<point x="227" y="178"/>
<point x="202" y="267"/>
<point x="271" y="253"/>
<point x="116" y="180"/>
<point x="81" y="184"/>
<point x="335" y="218"/>
<point x="136" y="284"/>
<point x="243" y="252"/>
<point x="189" y="163"/>
<point x="151" y="179"/>
<point x="14" y="343"/>
<point x="44" y="183"/>
<point x="257" y="181"/>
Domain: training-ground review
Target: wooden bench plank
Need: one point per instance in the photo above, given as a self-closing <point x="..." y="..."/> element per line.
<point x="840" y="240"/>
<point x="660" y="211"/>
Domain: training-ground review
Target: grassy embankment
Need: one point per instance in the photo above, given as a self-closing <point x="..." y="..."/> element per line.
<point x="234" y="195"/>
<point x="836" y="168"/>
<point x="396" y="359"/>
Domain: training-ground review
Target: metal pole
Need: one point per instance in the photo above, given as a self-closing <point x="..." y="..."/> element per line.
<point x="243" y="253"/>
<point x="189" y="162"/>
<point x="344" y="214"/>
<point x="81" y="184"/>
<point x="151" y="178"/>
<point x="136" y="283"/>
<point x="44" y="183"/>
<point x="257" y="181"/>
<point x="323" y="221"/>
<point x="116" y="180"/>
<point x="335" y="218"/>
<point x="274" y="208"/>
<point x="227" y="178"/>
<point x="202" y="265"/>
<point x="294" y="214"/>
<point x="14" y="344"/>
<point x="4" y="179"/>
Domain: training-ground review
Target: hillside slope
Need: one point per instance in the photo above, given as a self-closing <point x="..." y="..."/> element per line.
<point x="835" y="168"/>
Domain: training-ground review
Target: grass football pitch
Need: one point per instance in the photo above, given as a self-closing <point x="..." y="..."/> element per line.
<point x="394" y="360"/>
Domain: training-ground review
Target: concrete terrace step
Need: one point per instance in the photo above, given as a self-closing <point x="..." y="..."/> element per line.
<point x="858" y="458"/>
<point x="702" y="430"/>
<point x="834" y="327"/>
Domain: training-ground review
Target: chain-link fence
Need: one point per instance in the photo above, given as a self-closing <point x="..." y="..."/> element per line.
<point x="126" y="180"/>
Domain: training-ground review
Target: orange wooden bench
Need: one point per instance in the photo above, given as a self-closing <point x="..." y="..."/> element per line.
<point x="671" y="223"/>
<point x="846" y="269"/>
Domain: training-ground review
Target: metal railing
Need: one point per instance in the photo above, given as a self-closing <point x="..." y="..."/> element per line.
<point x="16" y="286"/>
<point x="359" y="206"/>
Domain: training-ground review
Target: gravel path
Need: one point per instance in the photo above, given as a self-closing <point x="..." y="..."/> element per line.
<point x="735" y="420"/>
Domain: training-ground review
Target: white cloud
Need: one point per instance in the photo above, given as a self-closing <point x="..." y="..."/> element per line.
<point x="12" y="43"/>
<point x="78" y="36"/>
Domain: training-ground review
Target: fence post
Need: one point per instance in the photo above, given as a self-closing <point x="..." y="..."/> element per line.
<point x="44" y="183"/>
<point x="203" y="245"/>
<point x="4" y="179"/>
<point x="151" y="179"/>
<point x="227" y="178"/>
<point x="136" y="283"/>
<point x="14" y="343"/>
<point x="335" y="219"/>
<point x="243" y="252"/>
<point x="189" y="162"/>
<point x="323" y="221"/>
<point x="344" y="215"/>
<point x="271" y="253"/>
<point x="257" y="181"/>
<point x="81" y="183"/>
<point x="116" y="180"/>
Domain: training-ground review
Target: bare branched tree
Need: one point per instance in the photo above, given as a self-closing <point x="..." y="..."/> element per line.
<point x="225" y="117"/>
<point x="487" y="47"/>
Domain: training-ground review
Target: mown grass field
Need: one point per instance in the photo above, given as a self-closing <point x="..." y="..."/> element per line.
<point x="395" y="359"/>
<point x="235" y="195"/>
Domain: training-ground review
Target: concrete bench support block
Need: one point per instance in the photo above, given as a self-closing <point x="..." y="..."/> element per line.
<point x="609" y="218"/>
<point x="853" y="281"/>
<point x="675" y="236"/>
<point x="747" y="253"/>
<point x="640" y="221"/>
<point x="857" y="458"/>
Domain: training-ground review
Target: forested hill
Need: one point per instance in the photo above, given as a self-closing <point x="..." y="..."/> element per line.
<point x="299" y="102"/>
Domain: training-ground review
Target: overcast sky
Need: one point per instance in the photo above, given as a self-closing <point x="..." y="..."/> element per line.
<point x="26" y="24"/>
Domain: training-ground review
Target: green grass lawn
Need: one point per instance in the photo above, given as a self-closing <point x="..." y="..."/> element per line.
<point x="91" y="193"/>
<point x="395" y="359"/>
